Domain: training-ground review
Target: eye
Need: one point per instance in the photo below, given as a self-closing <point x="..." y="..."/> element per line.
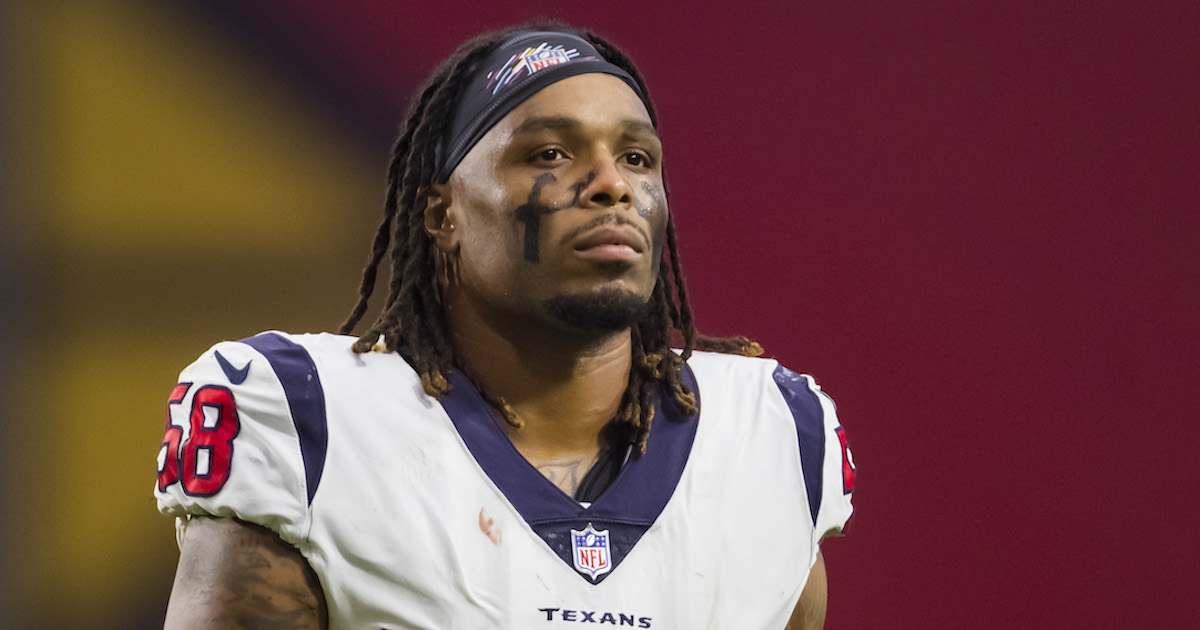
<point x="637" y="158"/>
<point x="549" y="155"/>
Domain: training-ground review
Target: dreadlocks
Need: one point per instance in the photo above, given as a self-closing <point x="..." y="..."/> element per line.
<point x="413" y="319"/>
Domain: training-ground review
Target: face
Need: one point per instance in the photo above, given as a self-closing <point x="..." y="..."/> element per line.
<point x="560" y="203"/>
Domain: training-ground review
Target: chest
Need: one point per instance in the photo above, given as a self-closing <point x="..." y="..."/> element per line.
<point x="425" y="521"/>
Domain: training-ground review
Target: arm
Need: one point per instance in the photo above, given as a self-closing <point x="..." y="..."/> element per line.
<point x="236" y="575"/>
<point x="822" y="442"/>
<point x="809" y="613"/>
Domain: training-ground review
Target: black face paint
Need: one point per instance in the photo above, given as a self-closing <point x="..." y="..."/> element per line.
<point x="579" y="186"/>
<point x="530" y="213"/>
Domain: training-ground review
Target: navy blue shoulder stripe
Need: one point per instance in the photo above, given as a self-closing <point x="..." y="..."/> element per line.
<point x="305" y="397"/>
<point x="810" y="427"/>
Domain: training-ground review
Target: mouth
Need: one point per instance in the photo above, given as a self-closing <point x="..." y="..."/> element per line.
<point x="610" y="242"/>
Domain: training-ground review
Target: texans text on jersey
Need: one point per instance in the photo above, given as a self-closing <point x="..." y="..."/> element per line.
<point x="593" y="616"/>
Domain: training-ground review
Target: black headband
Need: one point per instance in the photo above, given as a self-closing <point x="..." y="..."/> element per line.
<point x="517" y="69"/>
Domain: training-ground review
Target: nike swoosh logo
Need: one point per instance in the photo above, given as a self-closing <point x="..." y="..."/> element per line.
<point x="235" y="376"/>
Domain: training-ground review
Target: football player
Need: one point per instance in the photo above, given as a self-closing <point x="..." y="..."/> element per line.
<point x="514" y="442"/>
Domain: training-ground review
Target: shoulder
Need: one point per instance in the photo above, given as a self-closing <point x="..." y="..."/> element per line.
<point x="248" y="425"/>
<point x="297" y="359"/>
<point x="759" y="396"/>
<point x="714" y="369"/>
<point x="281" y="345"/>
<point x="236" y="421"/>
<point x="783" y="409"/>
<point x="295" y="380"/>
<point x="277" y="349"/>
<point x="734" y="375"/>
<point x="774" y="393"/>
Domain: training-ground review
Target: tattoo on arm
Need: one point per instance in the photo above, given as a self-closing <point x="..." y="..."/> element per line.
<point x="252" y="599"/>
<point x="237" y="575"/>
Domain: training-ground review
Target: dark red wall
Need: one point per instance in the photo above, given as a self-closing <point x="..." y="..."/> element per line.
<point x="977" y="225"/>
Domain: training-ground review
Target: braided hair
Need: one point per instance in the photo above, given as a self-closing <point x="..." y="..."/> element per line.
<point x="413" y="317"/>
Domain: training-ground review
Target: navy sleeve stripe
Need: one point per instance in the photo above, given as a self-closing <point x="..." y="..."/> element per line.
<point x="810" y="428"/>
<point x="306" y="400"/>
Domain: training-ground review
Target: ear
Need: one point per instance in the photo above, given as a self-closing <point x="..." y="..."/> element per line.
<point x="439" y="219"/>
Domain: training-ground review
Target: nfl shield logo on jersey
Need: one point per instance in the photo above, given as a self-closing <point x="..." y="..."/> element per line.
<point x="591" y="552"/>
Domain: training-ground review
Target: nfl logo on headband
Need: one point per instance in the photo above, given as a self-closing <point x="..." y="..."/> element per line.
<point x="530" y="61"/>
<point x="538" y="59"/>
<point x="518" y="67"/>
<point x="591" y="552"/>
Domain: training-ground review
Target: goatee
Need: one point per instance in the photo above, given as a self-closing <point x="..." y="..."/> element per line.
<point x="606" y="311"/>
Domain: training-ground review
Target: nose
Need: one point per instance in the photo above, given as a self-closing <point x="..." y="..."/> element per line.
<point x="607" y="186"/>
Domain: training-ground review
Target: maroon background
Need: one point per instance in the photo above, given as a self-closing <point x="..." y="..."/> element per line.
<point x="976" y="225"/>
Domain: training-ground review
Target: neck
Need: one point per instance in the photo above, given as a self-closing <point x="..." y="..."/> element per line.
<point x="565" y="386"/>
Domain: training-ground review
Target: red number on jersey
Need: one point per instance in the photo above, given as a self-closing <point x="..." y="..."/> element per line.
<point x="202" y="463"/>
<point x="848" y="469"/>
<point x="168" y="457"/>
<point x="209" y="449"/>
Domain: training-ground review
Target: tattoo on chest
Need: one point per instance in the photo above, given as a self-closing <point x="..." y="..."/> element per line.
<point x="530" y="213"/>
<point x="567" y="475"/>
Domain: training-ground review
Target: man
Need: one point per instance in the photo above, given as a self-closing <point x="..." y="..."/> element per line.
<point x="513" y="443"/>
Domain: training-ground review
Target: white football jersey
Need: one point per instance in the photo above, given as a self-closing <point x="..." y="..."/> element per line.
<point x="419" y="513"/>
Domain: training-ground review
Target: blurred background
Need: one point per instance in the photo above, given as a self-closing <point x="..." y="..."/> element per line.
<point x="977" y="224"/>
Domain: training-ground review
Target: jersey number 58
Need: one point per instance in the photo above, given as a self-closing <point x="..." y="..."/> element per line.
<point x="202" y="462"/>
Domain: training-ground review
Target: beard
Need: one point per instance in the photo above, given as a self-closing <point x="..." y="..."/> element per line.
<point x="605" y="311"/>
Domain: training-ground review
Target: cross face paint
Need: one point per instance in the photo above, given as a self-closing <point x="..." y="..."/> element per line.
<point x="545" y="206"/>
<point x="530" y="213"/>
